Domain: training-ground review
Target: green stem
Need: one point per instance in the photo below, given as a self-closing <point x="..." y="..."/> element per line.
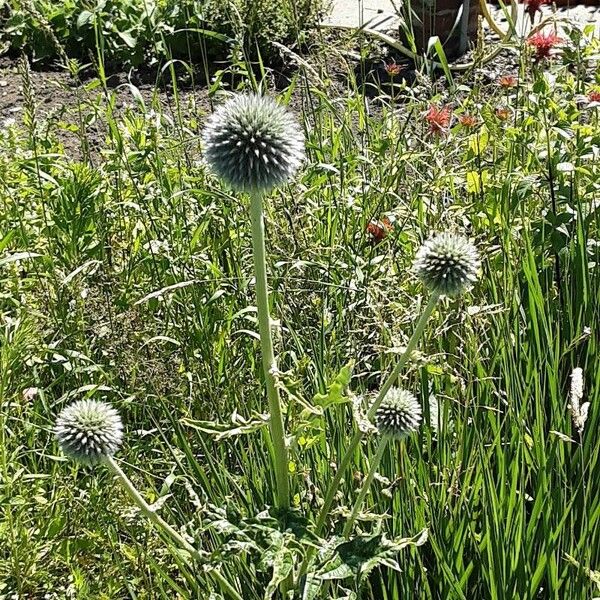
<point x="280" y="455"/>
<point x="159" y="522"/>
<point x="366" y="485"/>
<point x="354" y="442"/>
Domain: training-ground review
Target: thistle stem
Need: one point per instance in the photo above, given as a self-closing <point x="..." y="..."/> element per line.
<point x="354" y="442"/>
<point x="159" y="522"/>
<point x="366" y="485"/>
<point x="280" y="454"/>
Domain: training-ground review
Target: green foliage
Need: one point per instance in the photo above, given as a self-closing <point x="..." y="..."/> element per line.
<point x="136" y="32"/>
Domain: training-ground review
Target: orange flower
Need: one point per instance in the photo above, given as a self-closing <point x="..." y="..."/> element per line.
<point x="438" y="119"/>
<point x="503" y="113"/>
<point x="468" y="121"/>
<point x="507" y="81"/>
<point x="392" y="68"/>
<point x="543" y="43"/>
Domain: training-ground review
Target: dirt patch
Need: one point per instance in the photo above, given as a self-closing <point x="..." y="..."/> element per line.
<point x="77" y="107"/>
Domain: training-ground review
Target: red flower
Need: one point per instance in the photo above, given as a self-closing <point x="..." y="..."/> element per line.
<point x="543" y="43"/>
<point x="468" y="121"/>
<point x="594" y="95"/>
<point x="438" y="119"/>
<point x="533" y="6"/>
<point x="507" y="81"/>
<point x="392" y="69"/>
<point x="379" y="229"/>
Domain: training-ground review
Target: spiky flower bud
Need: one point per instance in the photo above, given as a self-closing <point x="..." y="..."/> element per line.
<point x="447" y="264"/>
<point x="399" y="414"/>
<point x="252" y="143"/>
<point x="89" y="430"/>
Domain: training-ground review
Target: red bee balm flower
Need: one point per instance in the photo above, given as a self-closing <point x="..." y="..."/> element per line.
<point x="439" y="119"/>
<point x="543" y="43"/>
<point x="503" y="113"/>
<point x="379" y="229"/>
<point x="392" y="68"/>
<point x="533" y="6"/>
<point x="594" y="95"/>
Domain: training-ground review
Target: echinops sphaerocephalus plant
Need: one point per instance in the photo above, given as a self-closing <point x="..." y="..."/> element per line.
<point x="447" y="264"/>
<point x="253" y="144"/>
<point x="89" y="431"/>
<point x="398" y="415"/>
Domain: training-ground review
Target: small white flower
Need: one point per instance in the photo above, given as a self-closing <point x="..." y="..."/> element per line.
<point x="579" y="412"/>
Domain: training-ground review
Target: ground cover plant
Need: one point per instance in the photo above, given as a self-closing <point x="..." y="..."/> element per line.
<point x="390" y="391"/>
<point x="138" y="33"/>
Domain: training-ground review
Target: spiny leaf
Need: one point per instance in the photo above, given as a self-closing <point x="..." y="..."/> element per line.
<point x="238" y="426"/>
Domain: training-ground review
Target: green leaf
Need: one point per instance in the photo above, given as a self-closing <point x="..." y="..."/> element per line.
<point x="129" y="40"/>
<point x="476" y="181"/>
<point x="357" y="558"/>
<point x="282" y="561"/>
<point x="238" y="426"/>
<point x="85" y="17"/>
<point x="336" y="390"/>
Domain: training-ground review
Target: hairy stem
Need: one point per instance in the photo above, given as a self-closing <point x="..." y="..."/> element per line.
<point x="280" y="454"/>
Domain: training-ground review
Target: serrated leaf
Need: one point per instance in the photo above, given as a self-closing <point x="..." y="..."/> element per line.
<point x="359" y="556"/>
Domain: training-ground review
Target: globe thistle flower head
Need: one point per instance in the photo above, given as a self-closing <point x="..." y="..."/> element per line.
<point x="253" y="144"/>
<point x="89" y="430"/>
<point x="398" y="415"/>
<point x="447" y="264"/>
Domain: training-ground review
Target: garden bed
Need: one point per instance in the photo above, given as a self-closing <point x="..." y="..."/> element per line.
<point x="428" y="287"/>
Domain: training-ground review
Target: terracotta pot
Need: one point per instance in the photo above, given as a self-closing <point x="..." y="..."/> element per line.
<point x="438" y="17"/>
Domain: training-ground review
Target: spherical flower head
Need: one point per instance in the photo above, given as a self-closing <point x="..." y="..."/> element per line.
<point x="88" y="431"/>
<point x="253" y="144"/>
<point x="447" y="264"/>
<point x="398" y="415"/>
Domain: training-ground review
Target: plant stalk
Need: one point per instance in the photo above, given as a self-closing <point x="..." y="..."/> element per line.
<point x="159" y="522"/>
<point x="354" y="442"/>
<point x="280" y="454"/>
<point x="366" y="485"/>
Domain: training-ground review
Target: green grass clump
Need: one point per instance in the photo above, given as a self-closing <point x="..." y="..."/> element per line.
<point x="127" y="277"/>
